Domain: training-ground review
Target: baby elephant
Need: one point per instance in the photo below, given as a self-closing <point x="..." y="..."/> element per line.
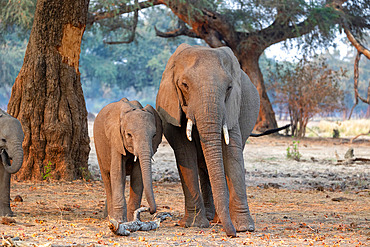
<point x="11" y="138"/>
<point x="126" y="137"/>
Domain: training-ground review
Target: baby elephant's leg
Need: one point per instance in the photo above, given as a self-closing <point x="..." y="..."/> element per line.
<point x="136" y="191"/>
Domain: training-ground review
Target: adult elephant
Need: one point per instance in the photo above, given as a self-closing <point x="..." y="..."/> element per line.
<point x="126" y="137"/>
<point x="204" y="93"/>
<point x="11" y="138"/>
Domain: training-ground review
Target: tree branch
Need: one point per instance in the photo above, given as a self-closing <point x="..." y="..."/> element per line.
<point x="210" y="26"/>
<point x="282" y="31"/>
<point x="132" y="29"/>
<point x="225" y="30"/>
<point x="182" y="30"/>
<point x="355" y="85"/>
<point x="122" y="9"/>
<point x="124" y="229"/>
<point x="360" y="48"/>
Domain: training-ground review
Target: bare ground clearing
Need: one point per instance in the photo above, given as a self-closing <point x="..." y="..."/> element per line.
<point x="311" y="202"/>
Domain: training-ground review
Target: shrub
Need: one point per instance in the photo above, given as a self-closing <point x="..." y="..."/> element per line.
<point x="308" y="88"/>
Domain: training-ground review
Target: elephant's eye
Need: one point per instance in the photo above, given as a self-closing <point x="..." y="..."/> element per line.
<point x="228" y="91"/>
<point x="185" y="85"/>
<point x="3" y="140"/>
<point x="128" y="135"/>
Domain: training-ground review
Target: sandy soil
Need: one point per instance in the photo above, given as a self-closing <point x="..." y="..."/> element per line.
<point x="315" y="201"/>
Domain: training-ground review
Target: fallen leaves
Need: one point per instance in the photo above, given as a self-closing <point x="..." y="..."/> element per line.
<point x="18" y="198"/>
<point x="7" y="221"/>
<point x="286" y="222"/>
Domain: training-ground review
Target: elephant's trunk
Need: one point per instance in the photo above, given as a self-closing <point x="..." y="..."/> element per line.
<point x="146" y="171"/>
<point x="209" y="124"/>
<point x="17" y="156"/>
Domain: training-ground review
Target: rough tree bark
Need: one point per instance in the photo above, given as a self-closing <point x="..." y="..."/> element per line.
<point x="47" y="95"/>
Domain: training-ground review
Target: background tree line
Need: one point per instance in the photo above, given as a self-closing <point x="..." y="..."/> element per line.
<point x="110" y="72"/>
<point x="47" y="95"/>
<point x="135" y="69"/>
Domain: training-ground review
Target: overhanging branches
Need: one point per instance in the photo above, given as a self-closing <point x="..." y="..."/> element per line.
<point x="132" y="29"/>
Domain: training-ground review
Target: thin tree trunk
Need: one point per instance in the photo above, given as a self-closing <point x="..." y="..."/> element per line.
<point x="47" y="95"/>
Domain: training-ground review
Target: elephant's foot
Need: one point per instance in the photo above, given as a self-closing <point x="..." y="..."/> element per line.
<point x="243" y="222"/>
<point x="210" y="212"/>
<point x="197" y="220"/>
<point x="119" y="217"/>
<point x="130" y="214"/>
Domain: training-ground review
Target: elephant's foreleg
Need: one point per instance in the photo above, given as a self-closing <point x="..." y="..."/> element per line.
<point x="186" y="159"/>
<point x="235" y="175"/>
<point x="136" y="191"/>
<point x="4" y="192"/>
<point x="118" y="181"/>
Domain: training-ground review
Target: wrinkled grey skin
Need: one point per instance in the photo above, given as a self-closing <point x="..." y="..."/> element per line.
<point x="123" y="130"/>
<point x="207" y="86"/>
<point x="11" y="138"/>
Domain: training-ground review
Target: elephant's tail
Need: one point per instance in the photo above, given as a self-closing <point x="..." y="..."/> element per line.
<point x="271" y="131"/>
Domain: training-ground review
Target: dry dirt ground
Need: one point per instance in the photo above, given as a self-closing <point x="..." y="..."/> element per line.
<point x="312" y="202"/>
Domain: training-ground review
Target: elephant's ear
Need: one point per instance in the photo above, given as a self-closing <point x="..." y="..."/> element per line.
<point x="168" y="103"/>
<point x="112" y="125"/>
<point x="158" y="124"/>
<point x="233" y="101"/>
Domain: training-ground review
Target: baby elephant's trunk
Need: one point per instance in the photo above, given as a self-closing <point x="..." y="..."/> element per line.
<point x="146" y="171"/>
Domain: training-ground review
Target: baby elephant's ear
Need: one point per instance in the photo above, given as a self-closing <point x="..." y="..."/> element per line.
<point x="112" y="125"/>
<point x="158" y="124"/>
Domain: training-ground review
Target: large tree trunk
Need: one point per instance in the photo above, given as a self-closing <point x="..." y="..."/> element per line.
<point x="249" y="64"/>
<point x="47" y="95"/>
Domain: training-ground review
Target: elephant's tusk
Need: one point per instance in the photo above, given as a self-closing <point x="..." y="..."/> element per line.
<point x="226" y="134"/>
<point x="189" y="128"/>
<point x="135" y="158"/>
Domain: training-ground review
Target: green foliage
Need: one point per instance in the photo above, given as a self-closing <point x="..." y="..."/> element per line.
<point x="110" y="72"/>
<point x="315" y="23"/>
<point x="11" y="58"/>
<point x="85" y="174"/>
<point x="292" y="151"/>
<point x="46" y="175"/>
<point x="346" y="61"/>
<point x="16" y="16"/>
<point x="336" y="133"/>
